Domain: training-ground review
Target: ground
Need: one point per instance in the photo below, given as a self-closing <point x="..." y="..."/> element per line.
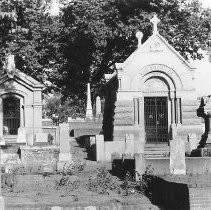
<point x="79" y="189"/>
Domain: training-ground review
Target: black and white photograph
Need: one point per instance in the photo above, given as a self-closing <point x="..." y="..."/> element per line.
<point x="105" y="104"/>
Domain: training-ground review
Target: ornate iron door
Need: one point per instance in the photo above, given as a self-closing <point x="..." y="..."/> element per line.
<point x="156" y="119"/>
<point x="11" y="115"/>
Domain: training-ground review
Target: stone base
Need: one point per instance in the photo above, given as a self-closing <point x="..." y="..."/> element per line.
<point x="2" y="204"/>
<point x="202" y="152"/>
<point x="65" y="157"/>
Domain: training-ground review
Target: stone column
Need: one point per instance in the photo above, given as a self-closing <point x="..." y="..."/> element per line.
<point x="178" y="111"/>
<point x="141" y="111"/>
<point x="139" y="146"/>
<point x="136" y="115"/>
<point x="172" y="111"/>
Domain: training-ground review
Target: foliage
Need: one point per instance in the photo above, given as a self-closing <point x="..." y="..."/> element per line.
<point x="144" y="183"/>
<point x="81" y="44"/>
<point x="72" y="168"/>
<point x="21" y="169"/>
<point x="102" y="182"/>
<point x="53" y="106"/>
<point x="67" y="182"/>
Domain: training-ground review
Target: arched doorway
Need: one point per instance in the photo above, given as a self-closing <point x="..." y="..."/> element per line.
<point x="11" y="115"/>
<point x="156" y="97"/>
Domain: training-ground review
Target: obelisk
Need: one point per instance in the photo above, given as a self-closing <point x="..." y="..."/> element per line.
<point x="89" y="113"/>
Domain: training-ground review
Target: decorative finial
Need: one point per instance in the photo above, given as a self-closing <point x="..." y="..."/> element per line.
<point x="155" y="20"/>
<point x="139" y="36"/>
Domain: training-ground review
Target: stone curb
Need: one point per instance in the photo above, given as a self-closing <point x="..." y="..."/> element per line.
<point x="111" y="206"/>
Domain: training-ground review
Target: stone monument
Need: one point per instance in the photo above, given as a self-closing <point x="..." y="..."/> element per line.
<point x="89" y="113"/>
<point x="177" y="157"/>
<point x="65" y="157"/>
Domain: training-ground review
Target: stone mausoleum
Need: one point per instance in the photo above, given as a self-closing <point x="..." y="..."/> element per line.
<point x="152" y="96"/>
<point x="20" y="104"/>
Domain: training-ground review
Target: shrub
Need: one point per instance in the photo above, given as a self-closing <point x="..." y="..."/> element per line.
<point x="103" y="182"/>
<point x="72" y="168"/>
<point x="144" y="183"/>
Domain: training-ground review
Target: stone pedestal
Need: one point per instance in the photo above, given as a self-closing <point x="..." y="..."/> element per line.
<point x="177" y="157"/>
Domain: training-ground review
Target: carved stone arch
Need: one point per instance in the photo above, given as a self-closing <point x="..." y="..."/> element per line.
<point x="157" y="70"/>
<point x="159" y="82"/>
<point x="20" y="94"/>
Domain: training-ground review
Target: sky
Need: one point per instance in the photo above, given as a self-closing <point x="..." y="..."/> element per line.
<point x="203" y="71"/>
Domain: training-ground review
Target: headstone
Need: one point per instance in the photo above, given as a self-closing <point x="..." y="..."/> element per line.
<point x="21" y="135"/>
<point x="41" y="137"/>
<point x="193" y="142"/>
<point x="140" y="165"/>
<point x="177" y="157"/>
<point x="100" y="148"/>
<point x="129" y="144"/>
<point x="30" y="139"/>
<point x="64" y="154"/>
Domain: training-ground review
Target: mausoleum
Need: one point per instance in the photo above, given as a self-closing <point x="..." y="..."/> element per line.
<point x="152" y="96"/>
<point x="20" y="104"/>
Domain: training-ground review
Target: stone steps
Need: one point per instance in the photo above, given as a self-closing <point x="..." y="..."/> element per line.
<point x="154" y="151"/>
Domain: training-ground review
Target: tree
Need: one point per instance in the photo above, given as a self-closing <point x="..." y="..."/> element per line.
<point x="106" y="30"/>
<point x="82" y="43"/>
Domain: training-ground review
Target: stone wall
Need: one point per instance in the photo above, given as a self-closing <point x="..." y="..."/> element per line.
<point x="39" y="155"/>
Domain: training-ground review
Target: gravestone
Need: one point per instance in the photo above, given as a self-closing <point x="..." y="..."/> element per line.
<point x="177" y="157"/>
<point x="192" y="139"/>
<point x="21" y="135"/>
<point x="30" y="139"/>
<point x="64" y="154"/>
<point x="140" y="165"/>
<point x="129" y="144"/>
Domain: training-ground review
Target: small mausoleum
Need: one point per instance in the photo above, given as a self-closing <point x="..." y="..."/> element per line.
<point x="152" y="96"/>
<point x="20" y="104"/>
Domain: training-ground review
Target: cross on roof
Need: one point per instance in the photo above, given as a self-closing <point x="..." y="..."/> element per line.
<point x="155" y="20"/>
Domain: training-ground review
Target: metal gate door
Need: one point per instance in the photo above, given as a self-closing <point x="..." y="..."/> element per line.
<point x="156" y="119"/>
<point x="11" y="115"/>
